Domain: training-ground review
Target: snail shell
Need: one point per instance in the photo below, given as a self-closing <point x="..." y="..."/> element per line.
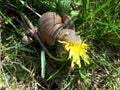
<point x="49" y="25"/>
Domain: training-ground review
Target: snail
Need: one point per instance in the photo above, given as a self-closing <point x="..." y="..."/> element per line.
<point x="50" y="25"/>
<point x="53" y="27"/>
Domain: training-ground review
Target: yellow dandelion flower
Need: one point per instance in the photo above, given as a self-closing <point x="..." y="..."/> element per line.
<point x="76" y="53"/>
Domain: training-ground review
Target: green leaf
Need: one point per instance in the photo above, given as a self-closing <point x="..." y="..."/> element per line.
<point x="63" y="6"/>
<point x="25" y="49"/>
<point x="74" y="13"/>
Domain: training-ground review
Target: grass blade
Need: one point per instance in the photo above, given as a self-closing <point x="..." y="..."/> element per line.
<point x="43" y="63"/>
<point x="100" y="8"/>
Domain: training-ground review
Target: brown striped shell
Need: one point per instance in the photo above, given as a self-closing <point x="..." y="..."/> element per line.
<point x="49" y="25"/>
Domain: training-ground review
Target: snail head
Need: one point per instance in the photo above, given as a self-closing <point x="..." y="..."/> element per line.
<point x="69" y="35"/>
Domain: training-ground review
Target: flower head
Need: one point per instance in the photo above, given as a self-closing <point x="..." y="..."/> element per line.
<point x="77" y="52"/>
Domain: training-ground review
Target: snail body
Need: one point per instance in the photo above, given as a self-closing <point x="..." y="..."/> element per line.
<point x="50" y="25"/>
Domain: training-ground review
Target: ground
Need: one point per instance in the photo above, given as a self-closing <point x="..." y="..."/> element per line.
<point x="99" y="25"/>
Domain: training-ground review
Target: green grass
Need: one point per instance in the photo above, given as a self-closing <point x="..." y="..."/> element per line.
<point x="99" y="25"/>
